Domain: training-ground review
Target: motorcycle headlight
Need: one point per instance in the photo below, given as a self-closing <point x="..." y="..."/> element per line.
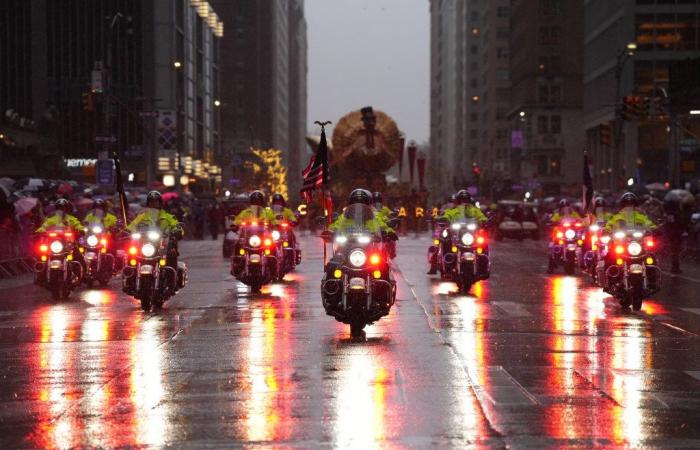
<point x="605" y="239"/>
<point x="153" y="235"/>
<point x="634" y="249"/>
<point x="570" y="234"/>
<point x="254" y="241"/>
<point x="97" y="230"/>
<point x="471" y="227"/>
<point x="638" y="235"/>
<point x="358" y="258"/>
<point x="620" y="235"/>
<point x="445" y="233"/>
<point x="275" y="235"/>
<point x="456" y="226"/>
<point x="56" y="246"/>
<point x="467" y="239"/>
<point x="92" y="240"/>
<point x="136" y="236"/>
<point x="341" y="239"/>
<point x="594" y="228"/>
<point x="364" y="239"/>
<point x="148" y="250"/>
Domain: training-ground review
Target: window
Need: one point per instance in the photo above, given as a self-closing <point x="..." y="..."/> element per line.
<point x="555" y="165"/>
<point x="542" y="165"/>
<point x="550" y="35"/>
<point x="550" y="7"/>
<point x="473" y="134"/>
<point x="474" y="83"/>
<point x="503" y="11"/>
<point x="474" y="117"/>
<point x="555" y="124"/>
<point x="502" y="52"/>
<point x="503" y="74"/>
<point x="542" y="127"/>
<point x="550" y="65"/>
<point x="474" y="49"/>
<point x="548" y="93"/>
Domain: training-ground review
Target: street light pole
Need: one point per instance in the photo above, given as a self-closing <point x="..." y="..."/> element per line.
<point x="622" y="57"/>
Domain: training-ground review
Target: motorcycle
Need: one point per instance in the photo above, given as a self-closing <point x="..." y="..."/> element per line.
<point x="464" y="253"/>
<point x="566" y="246"/>
<point x="633" y="274"/>
<point x="256" y="261"/>
<point x="287" y="247"/>
<point x="596" y="242"/>
<point x="56" y="268"/>
<point x="357" y="287"/>
<point x="100" y="265"/>
<point x="148" y="277"/>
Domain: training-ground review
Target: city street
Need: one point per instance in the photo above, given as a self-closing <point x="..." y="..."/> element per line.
<point x="528" y="360"/>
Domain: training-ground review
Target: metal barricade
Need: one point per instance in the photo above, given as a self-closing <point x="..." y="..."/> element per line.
<point x="14" y="253"/>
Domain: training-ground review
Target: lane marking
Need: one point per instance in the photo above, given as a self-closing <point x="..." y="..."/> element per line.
<point x="694" y="373"/>
<point x="682" y="277"/>
<point x="513" y="309"/>
<point x="691" y="310"/>
<point x="679" y="329"/>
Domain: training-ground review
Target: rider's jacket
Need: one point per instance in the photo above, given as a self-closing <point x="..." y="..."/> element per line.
<point x="343" y="223"/>
<point x="629" y="218"/>
<point x="109" y="220"/>
<point x="255" y="212"/>
<point x="465" y="212"/>
<point x="158" y="218"/>
<point x="286" y="213"/>
<point x="383" y="213"/>
<point x="564" y="213"/>
<point x="60" y="219"/>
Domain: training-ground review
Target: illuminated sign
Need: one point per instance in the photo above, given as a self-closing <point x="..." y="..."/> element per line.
<point x="302" y="210"/>
<point x="402" y="212"/>
<point x="80" y="162"/>
<point x="420" y="212"/>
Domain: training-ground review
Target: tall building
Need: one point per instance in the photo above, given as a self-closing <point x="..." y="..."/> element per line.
<point x="264" y="64"/>
<point x="494" y="101"/>
<point x="546" y="103"/>
<point x="142" y="62"/>
<point x="628" y="49"/>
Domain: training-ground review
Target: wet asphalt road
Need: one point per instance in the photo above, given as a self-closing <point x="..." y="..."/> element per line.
<point x="527" y="361"/>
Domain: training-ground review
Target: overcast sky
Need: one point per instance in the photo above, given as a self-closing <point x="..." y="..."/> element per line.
<point x="370" y="52"/>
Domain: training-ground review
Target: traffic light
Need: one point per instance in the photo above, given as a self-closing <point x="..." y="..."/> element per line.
<point x="605" y="134"/>
<point x="631" y="107"/>
<point x="88" y="103"/>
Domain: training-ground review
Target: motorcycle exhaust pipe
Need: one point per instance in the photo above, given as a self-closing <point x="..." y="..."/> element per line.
<point x="39" y="267"/>
<point x="128" y="272"/>
<point x="450" y="258"/>
<point x="331" y="288"/>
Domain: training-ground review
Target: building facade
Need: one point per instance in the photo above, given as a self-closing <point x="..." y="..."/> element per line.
<point x="103" y="73"/>
<point x="628" y="49"/>
<point x="264" y="60"/>
<point x="546" y="105"/>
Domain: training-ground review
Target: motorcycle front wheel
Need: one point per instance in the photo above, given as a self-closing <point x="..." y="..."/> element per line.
<point x="357" y="329"/>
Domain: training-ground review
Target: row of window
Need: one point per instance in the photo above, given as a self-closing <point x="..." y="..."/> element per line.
<point x="549" y="125"/>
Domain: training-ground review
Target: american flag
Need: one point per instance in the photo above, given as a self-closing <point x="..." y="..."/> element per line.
<point x="316" y="173"/>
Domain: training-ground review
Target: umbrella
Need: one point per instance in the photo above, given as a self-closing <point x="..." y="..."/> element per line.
<point x="31" y="184"/>
<point x="65" y="189"/>
<point x="25" y="205"/>
<point x="7" y="182"/>
<point x="681" y="196"/>
<point x="4" y="193"/>
<point x="656" y="187"/>
<point x="170" y="196"/>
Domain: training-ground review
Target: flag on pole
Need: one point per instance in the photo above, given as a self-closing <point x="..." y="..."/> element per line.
<point x="316" y="173"/>
<point x="587" y="184"/>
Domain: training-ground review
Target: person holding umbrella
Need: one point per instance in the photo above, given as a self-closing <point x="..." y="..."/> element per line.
<point x="676" y="207"/>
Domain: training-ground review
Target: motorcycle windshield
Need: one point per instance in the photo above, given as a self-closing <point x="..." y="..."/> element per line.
<point x="359" y="220"/>
<point x="258" y="212"/>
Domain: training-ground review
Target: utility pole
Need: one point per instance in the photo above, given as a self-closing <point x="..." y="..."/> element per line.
<point x="622" y="57"/>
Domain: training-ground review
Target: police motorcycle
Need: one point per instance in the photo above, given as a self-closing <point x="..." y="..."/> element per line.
<point x="566" y="246"/>
<point x="463" y="252"/>
<point x="357" y="287"/>
<point x="632" y="273"/>
<point x="100" y="264"/>
<point x="596" y="241"/>
<point x="56" y="268"/>
<point x="149" y="275"/>
<point x="256" y="261"/>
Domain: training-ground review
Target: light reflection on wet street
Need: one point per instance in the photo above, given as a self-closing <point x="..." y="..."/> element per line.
<point x="525" y="360"/>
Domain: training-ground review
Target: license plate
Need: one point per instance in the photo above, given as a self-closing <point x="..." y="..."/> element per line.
<point x="146" y="269"/>
<point x="255" y="259"/>
<point x="90" y="256"/>
<point x="636" y="268"/>
<point x="468" y="256"/>
<point x="56" y="264"/>
<point x="571" y="247"/>
<point x="357" y="283"/>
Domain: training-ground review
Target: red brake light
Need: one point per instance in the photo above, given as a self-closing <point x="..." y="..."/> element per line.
<point x="650" y="243"/>
<point x="560" y="235"/>
<point x="567" y="224"/>
<point x="375" y="259"/>
<point x="255" y="224"/>
<point x="267" y="242"/>
<point x="52" y="234"/>
<point x="68" y="234"/>
<point x="103" y="242"/>
<point x="285" y="225"/>
<point x="133" y="250"/>
<point x="43" y="248"/>
<point x="578" y="225"/>
<point x="619" y="249"/>
<point x="480" y="240"/>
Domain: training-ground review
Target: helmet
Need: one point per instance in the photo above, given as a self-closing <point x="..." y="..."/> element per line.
<point x="453" y="198"/>
<point x="599" y="202"/>
<point x="100" y="204"/>
<point x="464" y="197"/>
<point x="64" y="205"/>
<point x="629" y="199"/>
<point x="564" y="203"/>
<point x="278" y="199"/>
<point x="360" y="196"/>
<point x="257" y="198"/>
<point x="377" y="197"/>
<point x="154" y="200"/>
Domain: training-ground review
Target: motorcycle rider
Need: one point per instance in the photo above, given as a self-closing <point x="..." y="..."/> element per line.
<point x="629" y="215"/>
<point x="63" y="216"/>
<point x="382" y="211"/>
<point x="279" y="208"/>
<point x="100" y="215"/>
<point x="376" y="225"/>
<point x="465" y="209"/>
<point x="565" y="211"/>
<point x="675" y="225"/>
<point x="257" y="210"/>
<point x="156" y="216"/>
